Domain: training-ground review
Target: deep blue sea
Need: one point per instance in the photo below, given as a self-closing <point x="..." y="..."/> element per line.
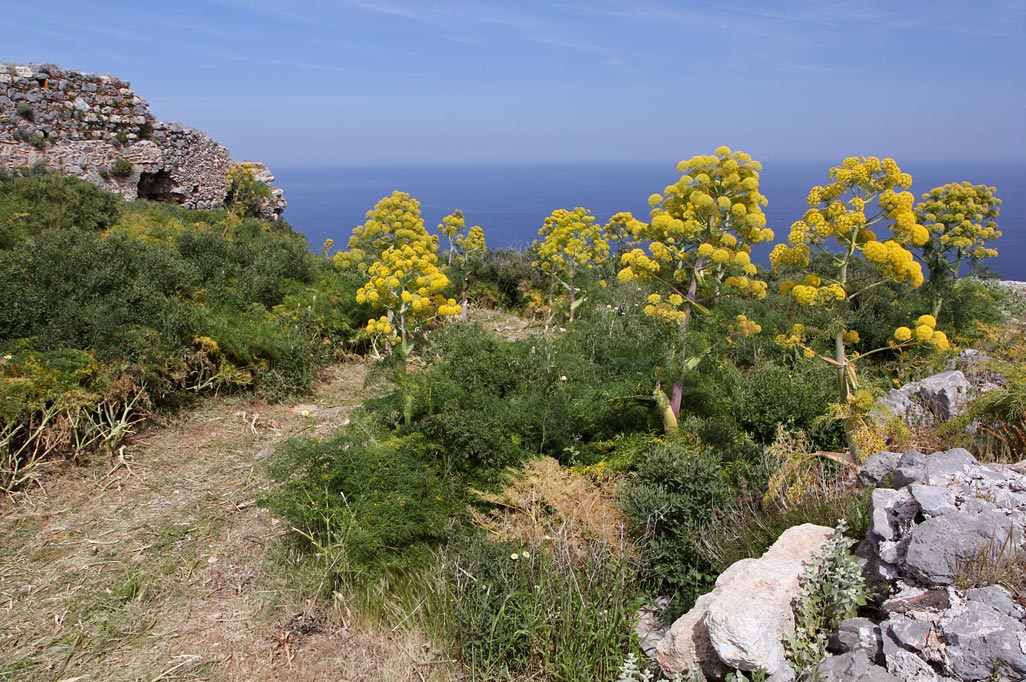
<point x="511" y="201"/>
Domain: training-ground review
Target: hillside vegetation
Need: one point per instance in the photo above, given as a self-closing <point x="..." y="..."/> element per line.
<point x="544" y="443"/>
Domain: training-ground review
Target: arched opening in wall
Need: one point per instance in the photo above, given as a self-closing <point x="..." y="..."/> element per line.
<point x="157" y="187"/>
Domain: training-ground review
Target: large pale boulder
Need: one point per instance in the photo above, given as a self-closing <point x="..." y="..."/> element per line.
<point x="742" y="623"/>
<point x="687" y="647"/>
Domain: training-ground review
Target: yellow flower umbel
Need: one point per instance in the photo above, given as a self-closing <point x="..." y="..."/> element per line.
<point x="699" y="244"/>
<point x="464" y="246"/>
<point x="393" y="222"/>
<point x="925" y="331"/>
<point x="961" y="219"/>
<point x="702" y="231"/>
<point x="572" y="243"/>
<point x="404" y="279"/>
<point x="845" y="220"/>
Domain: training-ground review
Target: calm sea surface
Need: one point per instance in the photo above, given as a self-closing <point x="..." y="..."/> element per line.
<point x="511" y="201"/>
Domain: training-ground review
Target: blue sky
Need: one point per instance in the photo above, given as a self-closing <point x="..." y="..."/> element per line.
<point x="436" y="81"/>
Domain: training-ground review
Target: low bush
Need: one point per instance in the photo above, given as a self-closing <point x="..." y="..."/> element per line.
<point x="34" y="200"/>
<point x="375" y="498"/>
<point x="671" y="499"/>
<point x="502" y="277"/>
<point x="174" y="302"/>
<point x="121" y="168"/>
<point x="480" y="405"/>
<point x="831" y="590"/>
<point x="793" y="396"/>
<point x="24" y="110"/>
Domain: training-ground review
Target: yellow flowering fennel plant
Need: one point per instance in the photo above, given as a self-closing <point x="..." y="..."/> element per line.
<point x="464" y="245"/>
<point x="622" y="233"/>
<point x="394" y="221"/>
<point x="866" y="196"/>
<point x="961" y="219"/>
<point x="699" y="243"/>
<point x="246" y="194"/>
<point x="404" y="280"/>
<point x="572" y="243"/>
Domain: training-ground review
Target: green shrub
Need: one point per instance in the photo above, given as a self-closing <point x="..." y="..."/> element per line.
<point x="121" y="168"/>
<point x="831" y="590"/>
<point x="671" y="500"/>
<point x="377" y="498"/>
<point x="795" y="396"/>
<point x="38" y="140"/>
<point x="24" y="110"/>
<point x="490" y="403"/>
<point x="502" y="275"/>
<point x="34" y="200"/>
<point x="77" y="290"/>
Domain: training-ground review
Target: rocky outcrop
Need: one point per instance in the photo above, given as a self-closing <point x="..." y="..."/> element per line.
<point x="96" y="128"/>
<point x="947" y="529"/>
<point x="929" y="401"/>
<point x="274" y="206"/>
<point x="948" y="521"/>
<point x="742" y="623"/>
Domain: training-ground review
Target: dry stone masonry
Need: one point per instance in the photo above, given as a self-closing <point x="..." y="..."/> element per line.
<point x="96" y="128"/>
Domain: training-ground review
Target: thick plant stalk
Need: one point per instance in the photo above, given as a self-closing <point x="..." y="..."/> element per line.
<point x="665" y="407"/>
<point x="463" y="300"/>
<point x="678" y="386"/>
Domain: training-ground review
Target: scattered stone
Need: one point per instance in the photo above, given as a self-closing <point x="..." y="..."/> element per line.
<point x="911" y="599"/>
<point x="850" y="667"/>
<point x="928" y="401"/>
<point x="858" y="634"/>
<point x="911" y="468"/>
<point x="878" y="469"/>
<point x="944" y="393"/>
<point x="982" y="641"/>
<point x="686" y="648"/>
<point x="932" y="500"/>
<point x="911" y="634"/>
<point x="906" y="666"/>
<point x="941" y="467"/>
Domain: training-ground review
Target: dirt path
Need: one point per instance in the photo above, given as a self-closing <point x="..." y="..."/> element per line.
<point x="165" y="568"/>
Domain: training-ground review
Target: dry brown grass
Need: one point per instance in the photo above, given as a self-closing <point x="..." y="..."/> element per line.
<point x="1001" y="562"/>
<point x="545" y="504"/>
<point x="155" y="566"/>
<point x="505" y="325"/>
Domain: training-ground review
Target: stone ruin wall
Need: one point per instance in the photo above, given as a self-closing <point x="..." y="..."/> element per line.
<point x="81" y="124"/>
